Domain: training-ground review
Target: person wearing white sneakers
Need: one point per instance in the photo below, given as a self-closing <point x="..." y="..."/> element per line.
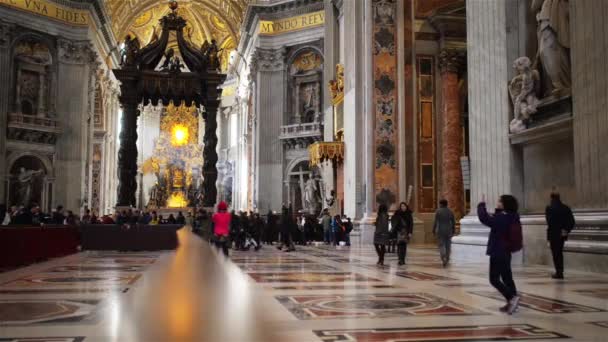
<point x="505" y="238"/>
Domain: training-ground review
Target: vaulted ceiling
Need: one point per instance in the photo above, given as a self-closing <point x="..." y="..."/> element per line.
<point x="207" y="20"/>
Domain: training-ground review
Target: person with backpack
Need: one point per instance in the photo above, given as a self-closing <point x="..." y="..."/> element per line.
<point x="444" y="228"/>
<point x="560" y="223"/>
<point x="402" y="224"/>
<point x="505" y="238"/>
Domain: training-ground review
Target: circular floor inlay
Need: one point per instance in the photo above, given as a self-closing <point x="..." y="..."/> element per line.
<point x="371" y="304"/>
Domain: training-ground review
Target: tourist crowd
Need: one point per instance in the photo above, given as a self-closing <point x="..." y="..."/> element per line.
<point x="246" y="230"/>
<point x="243" y="231"/>
<point x="34" y="216"/>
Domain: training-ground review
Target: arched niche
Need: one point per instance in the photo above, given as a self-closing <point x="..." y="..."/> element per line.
<point x="305" y="76"/>
<point x="30" y="180"/>
<point x="301" y="179"/>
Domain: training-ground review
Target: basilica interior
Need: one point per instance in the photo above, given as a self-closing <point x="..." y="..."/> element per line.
<point x="126" y="125"/>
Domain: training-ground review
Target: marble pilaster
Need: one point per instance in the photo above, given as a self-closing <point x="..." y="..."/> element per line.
<point x="589" y="43"/>
<point x="450" y="63"/>
<point x="331" y="41"/>
<point x="491" y="157"/>
<point x="270" y="89"/>
<point x="356" y="62"/>
<point x="76" y="59"/>
<point x="5" y="62"/>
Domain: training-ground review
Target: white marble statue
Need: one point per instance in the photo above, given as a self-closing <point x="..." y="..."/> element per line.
<point x="522" y="89"/>
<point x="25" y="179"/>
<point x="553" y="32"/>
<point x="311" y="197"/>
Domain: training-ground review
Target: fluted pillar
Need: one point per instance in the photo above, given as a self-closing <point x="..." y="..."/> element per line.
<point x="5" y="67"/>
<point x="450" y="63"/>
<point x="491" y="156"/>
<point x="589" y="43"/>
<point x="76" y="62"/>
<point x="269" y="67"/>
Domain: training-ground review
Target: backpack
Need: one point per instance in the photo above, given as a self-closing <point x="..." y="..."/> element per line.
<point x="514" y="238"/>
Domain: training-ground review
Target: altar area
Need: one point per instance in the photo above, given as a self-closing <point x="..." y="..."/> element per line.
<point x="171" y="158"/>
<point x="169" y="87"/>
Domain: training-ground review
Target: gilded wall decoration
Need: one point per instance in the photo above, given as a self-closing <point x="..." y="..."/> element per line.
<point x="209" y="20"/>
<point x="385" y="99"/>
<point x="336" y="87"/>
<point x="307" y="61"/>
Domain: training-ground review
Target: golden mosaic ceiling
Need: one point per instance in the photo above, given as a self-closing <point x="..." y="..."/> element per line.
<point x="207" y="20"/>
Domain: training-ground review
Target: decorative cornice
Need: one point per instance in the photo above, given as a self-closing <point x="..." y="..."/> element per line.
<point x="451" y="60"/>
<point x="98" y="14"/>
<point x="76" y="52"/>
<point x="268" y="60"/>
<point x="98" y="9"/>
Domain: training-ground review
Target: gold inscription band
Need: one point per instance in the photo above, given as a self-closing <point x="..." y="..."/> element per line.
<point x="272" y="27"/>
<point x="50" y="10"/>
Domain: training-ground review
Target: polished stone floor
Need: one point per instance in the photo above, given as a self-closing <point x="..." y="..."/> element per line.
<point x="315" y="294"/>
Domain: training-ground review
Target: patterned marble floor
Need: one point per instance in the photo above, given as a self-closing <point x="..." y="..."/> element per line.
<point x="314" y="294"/>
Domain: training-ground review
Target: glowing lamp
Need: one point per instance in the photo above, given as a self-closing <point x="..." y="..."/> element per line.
<point x="179" y="135"/>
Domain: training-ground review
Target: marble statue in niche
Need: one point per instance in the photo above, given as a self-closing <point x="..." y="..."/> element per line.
<point x="25" y="179"/>
<point x="309" y="101"/>
<point x="523" y="89"/>
<point x="311" y="195"/>
<point x="553" y="55"/>
<point x="29" y="89"/>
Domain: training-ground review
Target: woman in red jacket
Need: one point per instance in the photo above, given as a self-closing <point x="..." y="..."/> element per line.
<point x="221" y="227"/>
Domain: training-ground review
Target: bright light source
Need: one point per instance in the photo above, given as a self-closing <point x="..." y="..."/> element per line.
<point x="179" y="135"/>
<point x="177" y="200"/>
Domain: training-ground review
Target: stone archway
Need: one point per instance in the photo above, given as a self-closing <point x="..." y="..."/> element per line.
<point x="30" y="180"/>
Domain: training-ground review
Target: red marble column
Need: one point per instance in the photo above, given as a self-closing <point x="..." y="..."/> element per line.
<point x="452" y="189"/>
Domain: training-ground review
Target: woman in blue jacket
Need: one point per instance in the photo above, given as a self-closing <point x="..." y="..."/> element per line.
<point x="501" y="275"/>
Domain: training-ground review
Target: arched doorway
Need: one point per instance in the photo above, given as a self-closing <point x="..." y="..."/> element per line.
<point x="29" y="183"/>
<point x="304" y="188"/>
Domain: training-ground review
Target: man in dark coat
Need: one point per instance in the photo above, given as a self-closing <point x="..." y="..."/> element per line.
<point x="560" y="223"/>
<point x="287" y="224"/>
<point x="443" y="228"/>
